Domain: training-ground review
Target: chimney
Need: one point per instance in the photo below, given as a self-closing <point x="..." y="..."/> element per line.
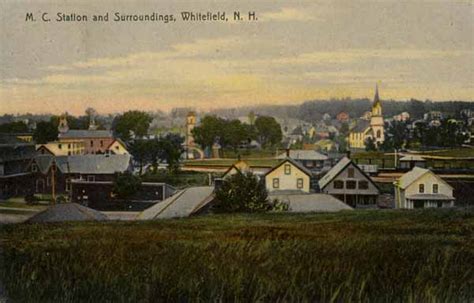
<point x="348" y="154"/>
<point x="288" y="152"/>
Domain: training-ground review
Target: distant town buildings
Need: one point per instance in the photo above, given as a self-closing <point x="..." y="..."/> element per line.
<point x="66" y="147"/>
<point x="402" y="117"/>
<point x="343" y="117"/>
<point x="95" y="141"/>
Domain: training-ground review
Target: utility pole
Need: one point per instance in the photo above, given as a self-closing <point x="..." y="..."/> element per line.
<point x="53" y="182"/>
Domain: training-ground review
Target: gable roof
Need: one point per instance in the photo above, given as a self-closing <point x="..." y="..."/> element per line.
<point x="294" y="163"/>
<point x="337" y="169"/>
<point x="302" y="154"/>
<point x="416" y="173"/>
<point x="119" y="141"/>
<point x="361" y="126"/>
<point x="85" y="164"/>
<point x="241" y="166"/>
<point x="79" y="133"/>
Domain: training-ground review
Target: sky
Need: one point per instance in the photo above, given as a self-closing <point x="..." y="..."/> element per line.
<point x="296" y="51"/>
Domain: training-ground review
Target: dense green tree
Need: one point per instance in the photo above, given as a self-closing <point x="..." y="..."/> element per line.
<point x="126" y="185"/>
<point x="166" y="149"/>
<point x="136" y="122"/>
<point x="268" y="131"/>
<point x="210" y="129"/>
<point x="45" y="132"/>
<point x="396" y="136"/>
<point x="142" y="152"/>
<point x="370" y="144"/>
<point x="170" y="150"/>
<point x="14" y="127"/>
<point x="242" y="193"/>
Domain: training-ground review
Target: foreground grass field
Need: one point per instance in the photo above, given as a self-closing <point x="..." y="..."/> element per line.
<point x="389" y="256"/>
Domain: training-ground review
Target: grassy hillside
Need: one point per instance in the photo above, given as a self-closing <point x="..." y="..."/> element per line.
<point x="385" y="256"/>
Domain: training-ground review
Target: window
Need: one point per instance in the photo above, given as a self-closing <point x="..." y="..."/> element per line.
<point x="351" y="184"/>
<point x="379" y="134"/>
<point x="338" y="184"/>
<point x="92" y="143"/>
<point x="363" y="185"/>
<point x="435" y="188"/>
<point x="69" y="146"/>
<point x="68" y="153"/>
<point x="276" y="183"/>
<point x="299" y="183"/>
<point x="421" y="188"/>
<point x="90" y="178"/>
<point x="350" y="172"/>
<point x="34" y="168"/>
<point x="287" y="169"/>
<point x="60" y="146"/>
<point x="48" y="181"/>
<point x="101" y="143"/>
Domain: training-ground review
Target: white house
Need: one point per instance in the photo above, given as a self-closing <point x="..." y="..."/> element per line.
<point x="289" y="175"/>
<point x="421" y="188"/>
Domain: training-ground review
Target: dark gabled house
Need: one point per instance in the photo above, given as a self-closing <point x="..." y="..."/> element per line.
<point x="349" y="183"/>
<point x="64" y="169"/>
<point x="15" y="155"/>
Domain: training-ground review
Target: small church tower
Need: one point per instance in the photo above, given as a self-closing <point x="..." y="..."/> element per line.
<point x="376" y="121"/>
<point x="63" y="126"/>
<point x="190" y="124"/>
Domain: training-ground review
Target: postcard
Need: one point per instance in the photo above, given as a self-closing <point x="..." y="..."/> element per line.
<point x="243" y="151"/>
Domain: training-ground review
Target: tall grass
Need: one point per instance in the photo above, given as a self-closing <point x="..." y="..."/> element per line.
<point x="386" y="256"/>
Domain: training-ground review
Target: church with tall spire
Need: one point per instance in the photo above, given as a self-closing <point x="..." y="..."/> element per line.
<point x="373" y="128"/>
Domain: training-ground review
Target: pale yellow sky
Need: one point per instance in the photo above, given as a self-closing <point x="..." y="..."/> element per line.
<point x="296" y="51"/>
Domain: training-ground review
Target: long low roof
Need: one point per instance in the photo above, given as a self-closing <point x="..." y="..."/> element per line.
<point x="77" y="133"/>
<point x="302" y="203"/>
<point x="302" y="154"/>
<point x="85" y="164"/>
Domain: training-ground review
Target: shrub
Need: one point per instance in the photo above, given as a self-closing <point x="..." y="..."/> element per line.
<point x="242" y="193"/>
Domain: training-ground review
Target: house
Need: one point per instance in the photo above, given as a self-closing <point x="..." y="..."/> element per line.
<point x="117" y="147"/>
<point x="288" y="175"/>
<point x="421" y="188"/>
<point x="310" y="159"/>
<point x="402" y="117"/>
<point x="433" y="116"/>
<point x="62" y="148"/>
<point x="410" y="161"/>
<point x="239" y="167"/>
<point x="15" y="156"/>
<point x="95" y="141"/>
<point x="342" y="117"/>
<point x="60" y="171"/>
<point x="373" y="128"/>
<point x="350" y="184"/>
